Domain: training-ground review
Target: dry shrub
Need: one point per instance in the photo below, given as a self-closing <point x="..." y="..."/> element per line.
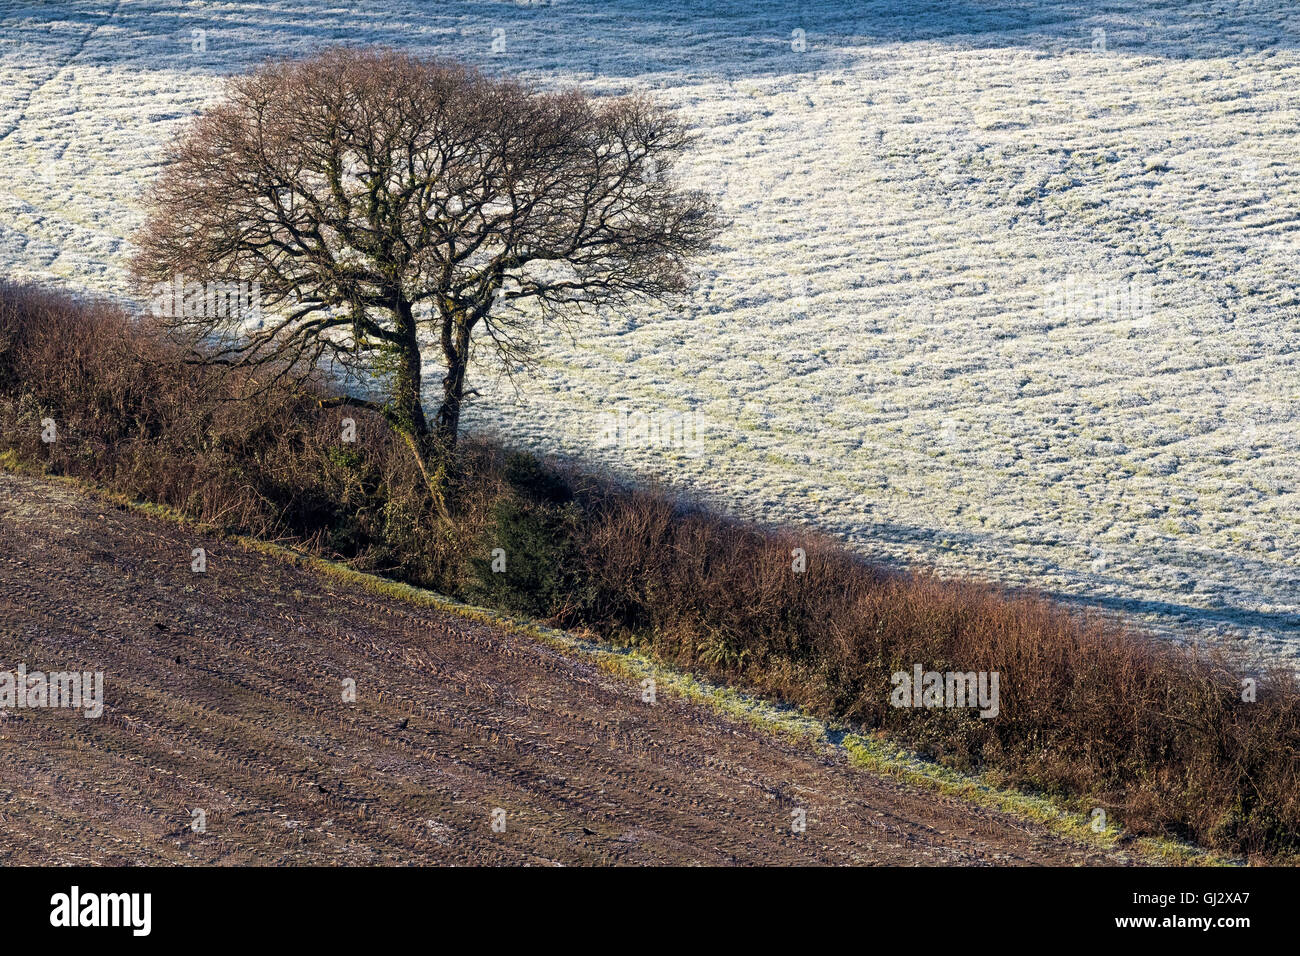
<point x="134" y="416"/>
<point x="1090" y="709"/>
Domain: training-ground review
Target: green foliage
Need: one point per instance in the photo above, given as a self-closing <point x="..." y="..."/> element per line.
<point x="535" y="533"/>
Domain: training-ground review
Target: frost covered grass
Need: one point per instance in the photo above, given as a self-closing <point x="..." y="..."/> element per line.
<point x="908" y="335"/>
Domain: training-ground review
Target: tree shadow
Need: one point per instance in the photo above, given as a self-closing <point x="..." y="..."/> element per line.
<point x="1276" y="632"/>
<point x="1095" y="591"/>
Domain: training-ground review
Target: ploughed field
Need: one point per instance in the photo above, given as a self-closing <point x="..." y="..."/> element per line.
<point x="223" y="692"/>
<point x="1009" y="289"/>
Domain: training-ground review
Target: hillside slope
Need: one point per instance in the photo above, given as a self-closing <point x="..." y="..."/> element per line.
<point x="223" y="692"/>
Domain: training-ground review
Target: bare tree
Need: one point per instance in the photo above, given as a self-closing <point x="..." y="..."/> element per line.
<point x="387" y="204"/>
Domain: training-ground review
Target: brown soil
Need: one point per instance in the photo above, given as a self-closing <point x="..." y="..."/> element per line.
<point x="223" y="692"/>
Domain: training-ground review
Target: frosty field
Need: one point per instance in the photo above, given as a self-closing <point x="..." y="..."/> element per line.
<point x="1008" y="289"/>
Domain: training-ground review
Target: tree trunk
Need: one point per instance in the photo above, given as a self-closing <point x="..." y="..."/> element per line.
<point x="408" y="411"/>
<point x="408" y="407"/>
<point x="455" y="347"/>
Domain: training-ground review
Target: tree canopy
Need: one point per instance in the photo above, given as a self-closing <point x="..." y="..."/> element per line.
<point x="388" y="205"/>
